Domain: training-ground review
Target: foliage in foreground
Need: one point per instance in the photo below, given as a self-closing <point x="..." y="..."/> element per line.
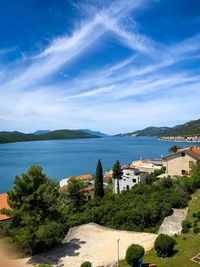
<point x="37" y="221"/>
<point x="133" y="254"/>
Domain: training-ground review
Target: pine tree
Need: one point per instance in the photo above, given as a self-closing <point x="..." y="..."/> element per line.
<point x="117" y="173"/>
<point x="98" y="185"/>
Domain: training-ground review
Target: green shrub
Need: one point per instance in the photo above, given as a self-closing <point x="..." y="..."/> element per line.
<point x="164" y="245"/>
<point x="196" y="215"/>
<point x="196" y="230"/>
<point x="44" y="265"/>
<point x="133" y="254"/>
<point x="186" y="225"/>
<point x="86" y="264"/>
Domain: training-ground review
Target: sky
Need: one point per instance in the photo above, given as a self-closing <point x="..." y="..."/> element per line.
<point x="114" y="65"/>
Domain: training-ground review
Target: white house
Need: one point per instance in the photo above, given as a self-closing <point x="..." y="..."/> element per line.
<point x="131" y="176"/>
<point x="147" y="165"/>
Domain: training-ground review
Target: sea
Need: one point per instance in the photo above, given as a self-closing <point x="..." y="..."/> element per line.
<point x="63" y="158"/>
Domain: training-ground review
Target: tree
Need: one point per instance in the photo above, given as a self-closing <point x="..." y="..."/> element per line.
<point x="117" y="173"/>
<point x="98" y="183"/>
<point x="196" y="175"/>
<point x="164" y="245"/>
<point x="76" y="193"/>
<point x="133" y="254"/>
<point x="37" y="221"/>
<point x="174" y="149"/>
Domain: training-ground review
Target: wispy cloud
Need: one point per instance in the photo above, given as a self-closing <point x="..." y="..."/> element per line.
<point x="32" y="95"/>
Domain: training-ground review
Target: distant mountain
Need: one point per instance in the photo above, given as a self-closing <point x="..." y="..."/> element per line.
<point x="100" y="134"/>
<point x="38" y="132"/>
<point x="186" y="129"/>
<point x="9" y="137"/>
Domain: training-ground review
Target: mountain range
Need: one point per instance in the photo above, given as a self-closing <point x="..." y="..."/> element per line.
<point x="187" y="129"/>
<point x="9" y="137"/>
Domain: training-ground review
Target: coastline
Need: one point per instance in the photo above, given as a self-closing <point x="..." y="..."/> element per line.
<point x="180" y="139"/>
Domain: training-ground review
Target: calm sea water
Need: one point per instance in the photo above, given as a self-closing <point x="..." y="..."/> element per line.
<point x="62" y="158"/>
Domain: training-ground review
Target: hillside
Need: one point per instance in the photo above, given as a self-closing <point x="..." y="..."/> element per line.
<point x="97" y="133"/>
<point x="187" y="129"/>
<point x="9" y="137"/>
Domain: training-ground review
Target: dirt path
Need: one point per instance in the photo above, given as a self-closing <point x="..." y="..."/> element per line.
<point x="172" y="224"/>
<point x="94" y="243"/>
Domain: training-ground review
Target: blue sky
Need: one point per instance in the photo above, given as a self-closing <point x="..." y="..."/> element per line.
<point x="114" y="66"/>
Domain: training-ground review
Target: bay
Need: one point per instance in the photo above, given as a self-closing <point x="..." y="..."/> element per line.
<point x="63" y="158"/>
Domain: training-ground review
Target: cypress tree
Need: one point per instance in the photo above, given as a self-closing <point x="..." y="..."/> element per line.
<point x="117" y="173"/>
<point x="98" y="185"/>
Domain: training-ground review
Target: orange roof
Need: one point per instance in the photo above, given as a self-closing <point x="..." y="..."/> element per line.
<point x="88" y="189"/>
<point x="85" y="176"/>
<point x="192" y="150"/>
<point x="107" y="177"/>
<point x="4" y="205"/>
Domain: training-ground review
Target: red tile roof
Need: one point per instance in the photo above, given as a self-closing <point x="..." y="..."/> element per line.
<point x="192" y="150"/>
<point x="4" y="205"/>
<point x="85" y="176"/>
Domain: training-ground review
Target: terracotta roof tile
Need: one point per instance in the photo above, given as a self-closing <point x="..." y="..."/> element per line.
<point x="4" y="205"/>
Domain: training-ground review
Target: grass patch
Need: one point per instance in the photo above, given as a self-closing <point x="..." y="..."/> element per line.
<point x="188" y="245"/>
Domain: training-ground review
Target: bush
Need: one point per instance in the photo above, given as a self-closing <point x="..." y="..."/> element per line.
<point x="133" y="254"/>
<point x="86" y="264"/>
<point x="186" y="225"/>
<point x="44" y="265"/>
<point x="164" y="245"/>
<point x="196" y="230"/>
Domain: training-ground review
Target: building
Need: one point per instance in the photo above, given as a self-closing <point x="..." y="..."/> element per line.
<point x="181" y="162"/>
<point x="86" y="177"/>
<point x="107" y="177"/>
<point x="131" y="176"/>
<point x="88" y="180"/>
<point x="89" y="193"/>
<point x="147" y="165"/>
<point x="4" y="205"/>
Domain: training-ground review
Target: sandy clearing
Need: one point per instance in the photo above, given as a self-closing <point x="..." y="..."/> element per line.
<point x="94" y="243"/>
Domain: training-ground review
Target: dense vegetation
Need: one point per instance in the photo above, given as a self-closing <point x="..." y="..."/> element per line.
<point x="141" y="209"/>
<point x="186" y="129"/>
<point x="9" y="137"/>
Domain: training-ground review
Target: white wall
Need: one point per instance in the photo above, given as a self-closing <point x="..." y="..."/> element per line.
<point x="130" y="178"/>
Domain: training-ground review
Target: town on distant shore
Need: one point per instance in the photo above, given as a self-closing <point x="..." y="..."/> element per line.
<point x="195" y="138"/>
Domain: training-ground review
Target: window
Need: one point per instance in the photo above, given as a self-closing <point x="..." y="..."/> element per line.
<point x="184" y="172"/>
<point x="127" y="187"/>
<point x="134" y="180"/>
<point x="182" y="154"/>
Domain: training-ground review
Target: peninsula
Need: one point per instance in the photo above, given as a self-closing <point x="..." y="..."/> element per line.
<point x="10" y="137"/>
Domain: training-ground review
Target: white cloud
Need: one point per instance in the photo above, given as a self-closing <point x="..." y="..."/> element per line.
<point x="139" y="90"/>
